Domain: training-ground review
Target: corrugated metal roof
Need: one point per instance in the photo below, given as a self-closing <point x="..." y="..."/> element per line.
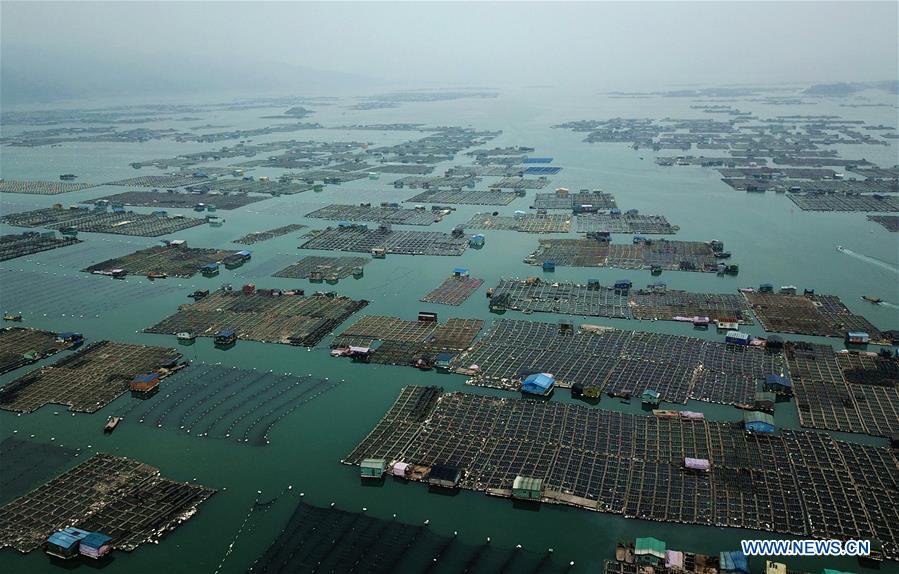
<point x="733" y="561"/>
<point x="66" y="538"/>
<point x="527" y="483"/>
<point x="650" y="545"/>
<point x="96" y="540"/>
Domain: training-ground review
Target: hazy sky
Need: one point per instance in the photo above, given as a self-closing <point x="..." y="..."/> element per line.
<point x="607" y="45"/>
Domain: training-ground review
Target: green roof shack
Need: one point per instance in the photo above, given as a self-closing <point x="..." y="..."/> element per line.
<point x="650" y="551"/>
<point x="527" y="488"/>
<point x="373" y="468"/>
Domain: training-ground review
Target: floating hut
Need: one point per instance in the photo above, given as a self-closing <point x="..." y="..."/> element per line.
<point x="527" y="488"/>
<point x="737" y="338"/>
<point x="779" y="385"/>
<point x="649" y="551"/>
<point x="651" y="397"/>
<point x="733" y="562"/>
<point x="445" y="475"/>
<point x="754" y="421"/>
<point x="373" y="468"/>
<point x="144" y="383"/>
<point x="538" y="384"/>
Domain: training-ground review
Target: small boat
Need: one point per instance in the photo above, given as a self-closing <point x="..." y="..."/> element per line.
<point x="11" y="317"/>
<point x="156" y="275"/>
<point x="111" y="424"/>
<point x="186" y="336"/>
<point x="872" y="299"/>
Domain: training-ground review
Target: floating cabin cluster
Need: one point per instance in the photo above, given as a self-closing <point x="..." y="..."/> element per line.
<point x="798" y="483"/>
<point x="212" y="401"/>
<point x="259" y="236"/>
<point x="90" y="379"/>
<point x="384" y="240"/>
<point x="619" y="301"/>
<point x="265" y="315"/>
<point x="31" y="242"/>
<point x="126" y="502"/>
<point x="622" y="363"/>
<point x="331" y="269"/>
<point x="423" y="343"/>
<point x="74" y="220"/>
<point x="20" y="346"/>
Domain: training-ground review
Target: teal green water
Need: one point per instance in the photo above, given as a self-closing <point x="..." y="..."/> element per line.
<point x="771" y="240"/>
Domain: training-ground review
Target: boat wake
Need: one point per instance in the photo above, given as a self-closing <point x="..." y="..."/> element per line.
<point x="868" y="259"/>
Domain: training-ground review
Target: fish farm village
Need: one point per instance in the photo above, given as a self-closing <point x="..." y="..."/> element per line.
<point x="31" y="242"/>
<point x="316" y="268"/>
<point x="639" y="466"/>
<point x="264" y="315"/>
<point x="78" y="219"/>
<point x="385" y="240"/>
<point x="129" y="502"/>
<point x="90" y="379"/>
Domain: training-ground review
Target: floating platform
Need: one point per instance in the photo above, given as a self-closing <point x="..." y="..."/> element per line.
<point x="264" y="315"/>
<point x="594" y="300"/>
<point x="124" y="498"/>
<point x="661" y="253"/>
<point x="181" y="200"/>
<point x="632" y="465"/>
<point x="382" y="214"/>
<point x="259" y="236"/>
<point x="517" y="182"/>
<point x="166" y="181"/>
<point x="816" y="315"/>
<point x="599" y="200"/>
<point x="844" y="392"/>
<point x="42" y="187"/>
<point x="844" y="202"/>
<point x="464" y="197"/>
<point x="323" y="267"/>
<point x="31" y="242"/>
<point x="528" y="222"/>
<point x="454" y="290"/>
<point x="88" y="380"/>
<point x="360" y="238"/>
<point x="171" y="260"/>
<point x="21" y="346"/>
<point x="227" y="403"/>
<point x="91" y="220"/>
<point x="888" y="222"/>
<point x="620" y="362"/>
<point x="625" y="223"/>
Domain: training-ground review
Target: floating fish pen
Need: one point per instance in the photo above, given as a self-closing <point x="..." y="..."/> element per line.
<point x="20" y="346"/>
<point x="633" y="465"/>
<point x="597" y="200"/>
<point x="844" y="202"/>
<point x="845" y="392"/>
<point x="625" y="223"/>
<point x="123" y="498"/>
<point x="464" y="197"/>
<point x="41" y="187"/>
<point x="828" y="186"/>
<point x="88" y="380"/>
<point x="618" y="362"/>
<point x="328" y="176"/>
<point x="400" y="169"/>
<point x="117" y="222"/>
<point x="329" y="539"/>
<point x="888" y="222"/>
<point x="394" y="341"/>
<point x="360" y="238"/>
<point x="810" y="314"/>
<point x="258" y="236"/>
<point x="30" y="242"/>
<point x="26" y="463"/>
<point x="314" y="266"/>
<point x="180" y="200"/>
<point x="658" y="253"/>
<point x="526" y="222"/>
<point x="435" y="182"/>
<point x="212" y="401"/>
<point x="517" y="182"/>
<point x="454" y="290"/>
<point x="264" y="315"/>
<point x="385" y="214"/>
<point x="166" y="181"/>
<point x="241" y="187"/>
<point x="173" y="260"/>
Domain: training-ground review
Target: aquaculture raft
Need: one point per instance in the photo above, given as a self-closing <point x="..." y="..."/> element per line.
<point x="322" y="267"/>
<point x="124" y="498"/>
<point x="212" y="401"/>
<point x="528" y="222"/>
<point x="360" y="238"/>
<point x="810" y="314"/>
<point x="101" y="221"/>
<point x="454" y="290"/>
<point x="30" y="242"/>
<point x="264" y="315"/>
<point x="661" y="253"/>
<point x="89" y="379"/>
<point x="173" y="260"/>
<point x="464" y="197"/>
<point x="598" y="200"/>
<point x="20" y="346"/>
<point x="633" y="465"/>
<point x="889" y="222"/>
<point x="181" y="200"/>
<point x="844" y="202"/>
<point x="256" y="237"/>
<point x="625" y="223"/>
<point x="377" y="214"/>
<point x="42" y="187"/>
<point x="619" y="362"/>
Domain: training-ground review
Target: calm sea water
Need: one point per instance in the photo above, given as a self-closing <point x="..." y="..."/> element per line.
<point x="769" y="237"/>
